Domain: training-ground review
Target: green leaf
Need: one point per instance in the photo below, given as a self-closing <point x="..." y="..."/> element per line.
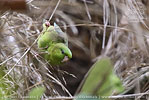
<point x="96" y="75"/>
<point x="116" y="83"/>
<point x="100" y="80"/>
<point x="6" y="86"/>
<point x="36" y="93"/>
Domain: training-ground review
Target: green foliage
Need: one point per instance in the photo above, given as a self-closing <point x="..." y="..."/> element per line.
<point x="7" y="87"/>
<point x="116" y="83"/>
<point x="36" y="93"/>
<point x="100" y="80"/>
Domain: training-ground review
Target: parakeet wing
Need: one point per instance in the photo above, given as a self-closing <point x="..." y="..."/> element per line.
<point x="61" y="34"/>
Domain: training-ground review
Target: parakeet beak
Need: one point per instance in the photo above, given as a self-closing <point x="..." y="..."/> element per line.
<point x="66" y="58"/>
<point x="47" y="23"/>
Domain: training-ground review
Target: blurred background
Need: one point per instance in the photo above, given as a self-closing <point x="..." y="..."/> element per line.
<point x="95" y="28"/>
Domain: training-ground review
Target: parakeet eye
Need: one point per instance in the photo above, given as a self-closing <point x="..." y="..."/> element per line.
<point x="62" y="51"/>
<point x="47" y="23"/>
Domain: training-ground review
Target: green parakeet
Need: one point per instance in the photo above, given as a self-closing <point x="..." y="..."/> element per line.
<point x="51" y="34"/>
<point x="58" y="53"/>
<point x="54" y="42"/>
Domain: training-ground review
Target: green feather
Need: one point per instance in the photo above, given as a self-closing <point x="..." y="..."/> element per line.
<point x="51" y="34"/>
<point x="55" y="44"/>
<point x="61" y="34"/>
<point x="57" y="52"/>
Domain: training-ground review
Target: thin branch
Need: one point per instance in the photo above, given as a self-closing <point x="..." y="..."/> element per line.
<point x="87" y="10"/>
<point x="54" y="9"/>
<point x="20" y="59"/>
<point x="105" y="20"/>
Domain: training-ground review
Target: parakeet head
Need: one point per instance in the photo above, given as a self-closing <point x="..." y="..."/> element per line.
<point x="58" y="54"/>
<point x="46" y="25"/>
<point x="48" y="36"/>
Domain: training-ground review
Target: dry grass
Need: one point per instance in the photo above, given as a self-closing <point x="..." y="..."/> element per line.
<point x="118" y="29"/>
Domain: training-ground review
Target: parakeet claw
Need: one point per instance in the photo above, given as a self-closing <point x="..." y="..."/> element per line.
<point x="66" y="58"/>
